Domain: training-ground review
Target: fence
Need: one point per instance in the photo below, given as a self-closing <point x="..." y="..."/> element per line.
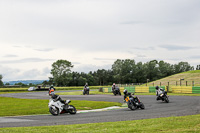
<point x="151" y="89"/>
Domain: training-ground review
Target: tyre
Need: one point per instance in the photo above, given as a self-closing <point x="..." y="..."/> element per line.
<point x="72" y="109"/>
<point x="120" y="93"/>
<point x="54" y="111"/>
<point x="142" y="106"/>
<point x="83" y="93"/>
<point x="166" y="99"/>
<point x="132" y="107"/>
<point x="87" y="92"/>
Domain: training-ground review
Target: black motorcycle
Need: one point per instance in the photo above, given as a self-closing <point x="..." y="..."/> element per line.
<point x="163" y="96"/>
<point x="116" y="91"/>
<point x="86" y="90"/>
<point x="134" y="102"/>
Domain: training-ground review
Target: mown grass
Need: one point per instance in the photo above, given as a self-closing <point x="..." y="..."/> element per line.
<point x="16" y="106"/>
<point x="164" y="125"/>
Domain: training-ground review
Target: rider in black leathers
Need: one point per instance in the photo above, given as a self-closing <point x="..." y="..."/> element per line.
<point x="130" y="96"/>
<point x="86" y="85"/>
<point x="125" y="94"/>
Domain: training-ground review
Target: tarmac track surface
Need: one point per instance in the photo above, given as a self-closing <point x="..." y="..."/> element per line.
<point x="178" y="106"/>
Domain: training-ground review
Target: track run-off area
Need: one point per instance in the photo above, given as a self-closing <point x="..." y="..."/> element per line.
<point x="178" y="106"/>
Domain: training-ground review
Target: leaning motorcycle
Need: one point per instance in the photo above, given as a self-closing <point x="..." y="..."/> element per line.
<point x="116" y="91"/>
<point x="163" y="96"/>
<point x="86" y="90"/>
<point x="134" y="102"/>
<point x="56" y="107"/>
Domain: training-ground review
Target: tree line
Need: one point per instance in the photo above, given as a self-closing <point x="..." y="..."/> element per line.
<point x="122" y="72"/>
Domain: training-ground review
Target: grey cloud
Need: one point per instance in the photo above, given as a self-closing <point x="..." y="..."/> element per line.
<point x="75" y="63"/>
<point x="195" y="57"/>
<point x="46" y="71"/>
<point x="26" y="60"/>
<point x="144" y="48"/>
<point x="103" y="59"/>
<point x="141" y="56"/>
<point x="17" y="46"/>
<point x="132" y="22"/>
<point x="45" y="50"/>
<point x="10" y="55"/>
<point x="175" y="47"/>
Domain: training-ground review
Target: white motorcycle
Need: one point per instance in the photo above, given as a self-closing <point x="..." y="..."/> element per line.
<point x="56" y="107"/>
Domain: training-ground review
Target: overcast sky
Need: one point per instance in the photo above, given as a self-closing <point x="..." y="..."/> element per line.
<point x="92" y="34"/>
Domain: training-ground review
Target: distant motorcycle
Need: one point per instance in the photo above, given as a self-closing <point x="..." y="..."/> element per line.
<point x="86" y="90"/>
<point x="163" y="96"/>
<point x="134" y="102"/>
<point x="116" y="91"/>
<point x="56" y="107"/>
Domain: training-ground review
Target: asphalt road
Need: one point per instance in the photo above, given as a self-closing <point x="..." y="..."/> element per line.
<point x="178" y="106"/>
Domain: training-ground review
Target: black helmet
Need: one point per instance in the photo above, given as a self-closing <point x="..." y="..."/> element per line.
<point x="125" y="91"/>
<point x="157" y="87"/>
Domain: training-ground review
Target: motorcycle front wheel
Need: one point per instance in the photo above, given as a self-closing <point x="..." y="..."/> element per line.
<point x="142" y="106"/>
<point x="166" y="99"/>
<point x="54" y="111"/>
<point x="72" y="109"/>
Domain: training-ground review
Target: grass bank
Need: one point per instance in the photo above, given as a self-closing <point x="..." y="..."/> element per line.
<point x="164" y="125"/>
<point x="14" y="106"/>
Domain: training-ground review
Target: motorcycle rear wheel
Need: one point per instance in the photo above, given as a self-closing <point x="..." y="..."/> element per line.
<point x="54" y="111"/>
<point x="166" y="99"/>
<point x="72" y="111"/>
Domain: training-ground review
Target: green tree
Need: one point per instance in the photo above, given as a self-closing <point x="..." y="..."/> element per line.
<point x="124" y="70"/>
<point x="141" y="75"/>
<point x="1" y="82"/>
<point x="61" y="71"/>
<point x="198" y="67"/>
<point x="182" y="67"/>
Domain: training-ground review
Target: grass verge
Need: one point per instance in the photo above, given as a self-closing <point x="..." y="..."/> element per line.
<point x="165" y="125"/>
<point x="15" y="106"/>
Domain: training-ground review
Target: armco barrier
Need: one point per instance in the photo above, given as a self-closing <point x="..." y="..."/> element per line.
<point x="152" y="89"/>
<point x="196" y="89"/>
<point x="130" y="89"/>
<point x="138" y="89"/>
<point x="142" y="89"/>
<point x="107" y="89"/>
<point x="182" y="89"/>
